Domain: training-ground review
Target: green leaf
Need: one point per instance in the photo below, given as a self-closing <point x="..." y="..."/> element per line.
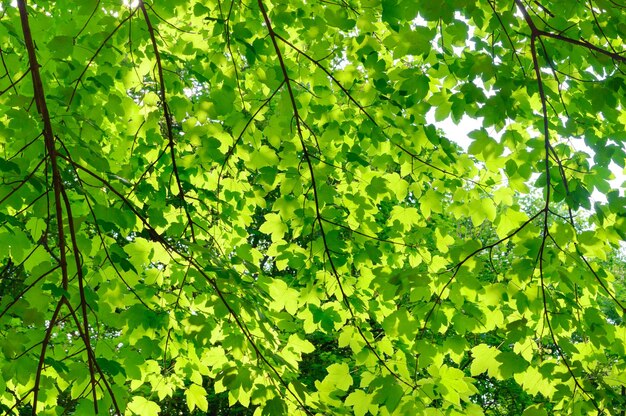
<point x="360" y="402"/>
<point x="535" y="410"/>
<point x="485" y="360"/>
<point x="61" y="45"/>
<point x="274" y="407"/>
<point x="483" y="145"/>
<point x="196" y="397"/>
<point x="338" y="377"/>
<point x="273" y="226"/>
<point x="274" y="208"/>
<point x="140" y="406"/>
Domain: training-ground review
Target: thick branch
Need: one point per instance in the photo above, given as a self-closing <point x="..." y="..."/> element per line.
<point x="48" y="134"/>
<point x="83" y="300"/>
<point x="42" y="107"/>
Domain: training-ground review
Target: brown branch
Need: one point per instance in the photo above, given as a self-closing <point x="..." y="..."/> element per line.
<point x="93" y="12"/>
<point x="296" y="114"/>
<point x="455" y="269"/>
<point x="147" y="170"/>
<point x="99" y="231"/>
<point x="59" y="191"/>
<point x="558" y="83"/>
<point x="539" y="33"/>
<point x="231" y="150"/>
<point x="81" y="292"/>
<point x="91" y="356"/>
<point x="595" y="19"/>
<point x="544" y="8"/>
<point x="362" y="109"/>
<point x="585" y="44"/>
<point x="201" y="269"/>
<point x="536" y="34"/>
<point x="23" y="181"/>
<point x="372" y="237"/>
<point x="104" y="42"/>
<point x="506" y="33"/>
<point x="602" y="284"/>
<point x="8" y="74"/>
<point x="42" y="107"/>
<point x="42" y="354"/>
<point x="169" y="23"/>
<point x="176" y="306"/>
<point x="14" y="83"/>
<point x="26" y="146"/>
<point x="228" y="45"/>
<point x="292" y="98"/>
<point x="18" y="297"/>
<point x="168" y="118"/>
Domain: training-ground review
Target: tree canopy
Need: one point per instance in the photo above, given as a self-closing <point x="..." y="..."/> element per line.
<point x="220" y="203"/>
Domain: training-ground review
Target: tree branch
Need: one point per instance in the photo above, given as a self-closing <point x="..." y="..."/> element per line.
<point x="168" y="118"/>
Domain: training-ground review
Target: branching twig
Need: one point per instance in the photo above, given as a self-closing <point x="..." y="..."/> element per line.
<point x="274" y="37"/>
<point x="200" y="269"/>
<point x="537" y="33"/>
<point x="168" y="119"/>
<point x="77" y="81"/>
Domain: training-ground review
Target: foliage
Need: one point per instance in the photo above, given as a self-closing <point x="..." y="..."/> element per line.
<point x="211" y="199"/>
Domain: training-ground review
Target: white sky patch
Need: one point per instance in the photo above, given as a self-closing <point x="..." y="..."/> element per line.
<point x="420" y="21"/>
<point x="458" y="133"/>
<point x="12" y="4"/>
<point x="130" y="3"/>
<point x="617" y="182"/>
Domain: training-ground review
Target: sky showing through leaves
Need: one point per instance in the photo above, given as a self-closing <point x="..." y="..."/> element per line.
<point x="385" y="207"/>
